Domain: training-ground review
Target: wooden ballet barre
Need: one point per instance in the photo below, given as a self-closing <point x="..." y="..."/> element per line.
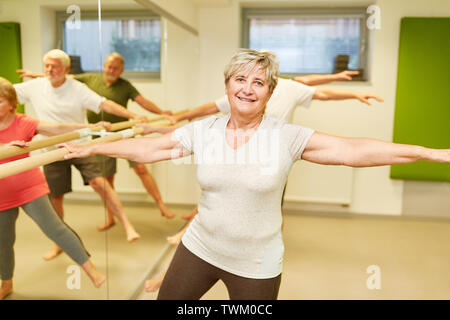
<point x="129" y="123"/>
<point x="28" y="163"/>
<point x="12" y="151"/>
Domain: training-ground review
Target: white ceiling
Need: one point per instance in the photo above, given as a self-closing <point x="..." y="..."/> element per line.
<point x="281" y="3"/>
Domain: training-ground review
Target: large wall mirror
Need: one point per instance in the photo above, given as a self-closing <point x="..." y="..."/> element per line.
<point x="155" y="52"/>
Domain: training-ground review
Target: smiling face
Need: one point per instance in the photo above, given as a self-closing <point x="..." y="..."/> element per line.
<point x="248" y="92"/>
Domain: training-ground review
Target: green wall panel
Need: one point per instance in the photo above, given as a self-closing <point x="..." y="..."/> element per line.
<point x="10" y="52"/>
<point x="422" y="106"/>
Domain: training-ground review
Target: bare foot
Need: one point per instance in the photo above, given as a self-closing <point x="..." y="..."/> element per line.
<point x="175" y="239"/>
<point x="154" y="284"/>
<point x="165" y="212"/>
<point x="132" y="236"/>
<point x="96" y="277"/>
<point x="53" y="253"/>
<point x="99" y="280"/>
<point x="188" y="215"/>
<point x="106" y="226"/>
<point x="6" y="289"/>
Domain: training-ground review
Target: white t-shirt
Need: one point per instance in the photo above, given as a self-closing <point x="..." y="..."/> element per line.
<point x="67" y="103"/>
<point x="288" y="94"/>
<point x="238" y="225"/>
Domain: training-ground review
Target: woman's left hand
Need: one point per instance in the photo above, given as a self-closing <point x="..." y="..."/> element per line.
<point x="439" y="155"/>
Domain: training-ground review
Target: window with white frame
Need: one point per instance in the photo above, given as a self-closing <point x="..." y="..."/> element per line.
<point x="136" y="35"/>
<point x="307" y="41"/>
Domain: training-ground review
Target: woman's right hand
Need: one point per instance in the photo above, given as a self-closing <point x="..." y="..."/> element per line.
<point x="172" y="119"/>
<point x="76" y="151"/>
<point x="17" y="143"/>
<point x="148" y="128"/>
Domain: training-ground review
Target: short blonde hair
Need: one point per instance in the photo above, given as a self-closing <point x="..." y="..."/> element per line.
<point x="115" y="55"/>
<point x="8" y="92"/>
<point x="60" y="55"/>
<point x="248" y="59"/>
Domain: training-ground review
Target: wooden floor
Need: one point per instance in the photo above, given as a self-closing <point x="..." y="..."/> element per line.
<point x="325" y="257"/>
<point x="125" y="264"/>
<point x="328" y="258"/>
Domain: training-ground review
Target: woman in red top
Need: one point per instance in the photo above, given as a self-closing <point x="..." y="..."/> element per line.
<point x="29" y="190"/>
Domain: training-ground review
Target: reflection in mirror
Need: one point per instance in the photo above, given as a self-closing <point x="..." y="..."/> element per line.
<point x="126" y="244"/>
<point x="137" y="76"/>
<point x="72" y="264"/>
<point x="133" y="74"/>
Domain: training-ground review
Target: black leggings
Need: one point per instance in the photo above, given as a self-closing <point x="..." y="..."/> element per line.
<point x="189" y="278"/>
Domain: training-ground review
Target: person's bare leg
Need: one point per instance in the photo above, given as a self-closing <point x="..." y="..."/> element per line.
<point x="190" y="214"/>
<point x="176" y="238"/>
<point x="6" y="289"/>
<point x="112" y="202"/>
<point x="152" y="188"/>
<point x="96" y="277"/>
<point x="57" y="202"/>
<point x="153" y="284"/>
<point x="110" y="218"/>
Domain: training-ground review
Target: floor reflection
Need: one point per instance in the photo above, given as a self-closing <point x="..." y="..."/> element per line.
<point x="125" y="264"/>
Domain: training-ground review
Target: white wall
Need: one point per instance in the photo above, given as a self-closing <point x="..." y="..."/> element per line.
<point x="184" y="10"/>
<point x="192" y="74"/>
<point x="372" y="190"/>
<point x="176" y="90"/>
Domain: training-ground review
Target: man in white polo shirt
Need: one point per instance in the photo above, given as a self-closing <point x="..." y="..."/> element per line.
<point x="57" y="98"/>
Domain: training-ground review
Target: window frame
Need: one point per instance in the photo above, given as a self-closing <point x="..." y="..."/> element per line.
<point x="61" y="17"/>
<point x="318" y="12"/>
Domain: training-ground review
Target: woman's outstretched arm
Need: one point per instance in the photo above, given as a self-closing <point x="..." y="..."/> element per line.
<point x="144" y="150"/>
<point x="361" y="152"/>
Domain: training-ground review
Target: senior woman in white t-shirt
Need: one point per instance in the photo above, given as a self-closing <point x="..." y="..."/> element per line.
<point x="243" y="161"/>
